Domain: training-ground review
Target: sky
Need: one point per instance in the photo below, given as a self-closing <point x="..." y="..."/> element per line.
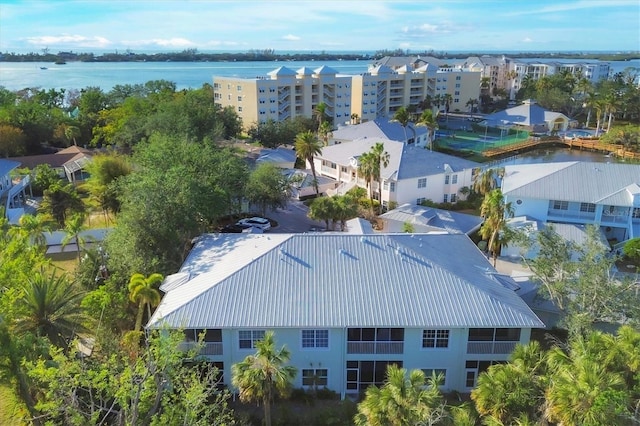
<point x="320" y="25"/>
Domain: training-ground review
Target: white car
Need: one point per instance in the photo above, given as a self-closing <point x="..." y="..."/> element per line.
<point x="256" y="222"/>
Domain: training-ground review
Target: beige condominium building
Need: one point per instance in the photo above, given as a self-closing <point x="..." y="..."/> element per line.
<point x="284" y="93"/>
<point x="378" y="93"/>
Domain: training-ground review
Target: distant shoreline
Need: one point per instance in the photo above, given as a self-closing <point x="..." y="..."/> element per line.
<point x="192" y="55"/>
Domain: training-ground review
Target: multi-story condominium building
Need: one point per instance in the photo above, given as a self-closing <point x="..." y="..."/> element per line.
<point x="285" y="93"/>
<point x="378" y="93"/>
<point x="604" y="194"/>
<point x="346" y="306"/>
<point x="495" y="68"/>
<point x="593" y="72"/>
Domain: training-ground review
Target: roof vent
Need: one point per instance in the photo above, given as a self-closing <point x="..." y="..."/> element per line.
<point x="398" y="251"/>
<point x="363" y="239"/>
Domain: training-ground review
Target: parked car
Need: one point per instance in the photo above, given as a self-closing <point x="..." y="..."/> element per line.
<point x="256" y="222"/>
<point x="235" y="228"/>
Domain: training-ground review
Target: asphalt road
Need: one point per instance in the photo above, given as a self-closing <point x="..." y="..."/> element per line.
<point x="293" y="219"/>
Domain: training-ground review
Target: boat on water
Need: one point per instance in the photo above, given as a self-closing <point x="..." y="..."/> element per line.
<point x="44" y="68"/>
<point x="60" y="62"/>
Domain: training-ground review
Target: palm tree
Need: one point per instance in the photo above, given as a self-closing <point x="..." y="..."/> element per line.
<point x="427" y="119"/>
<point x="381" y="158"/>
<point x="320" y="112"/>
<point x="322" y="209"/>
<point x="71" y="133"/>
<point x="143" y="292"/>
<point x="600" y="107"/>
<point x="494" y="228"/>
<point x="50" y="306"/>
<point x="260" y="376"/>
<point x="324" y="132"/>
<point x="402" y="400"/>
<point x="506" y="392"/>
<point x="447" y="99"/>
<point x="471" y="103"/>
<point x="344" y="208"/>
<point x="403" y="117"/>
<point x="485" y="181"/>
<point x="366" y="168"/>
<point x="307" y="146"/>
<point x="35" y="227"/>
<point x="437" y="101"/>
<point x="73" y="229"/>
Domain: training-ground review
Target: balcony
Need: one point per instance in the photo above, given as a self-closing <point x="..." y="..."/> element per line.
<point x="491" y="347"/>
<point x="375" y="347"/>
<point x="208" y="348"/>
<point x="571" y="216"/>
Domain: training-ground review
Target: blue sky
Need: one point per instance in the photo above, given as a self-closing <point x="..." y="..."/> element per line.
<point x="453" y="25"/>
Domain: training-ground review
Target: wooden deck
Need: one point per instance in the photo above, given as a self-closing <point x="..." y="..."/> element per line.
<point x="588" y="144"/>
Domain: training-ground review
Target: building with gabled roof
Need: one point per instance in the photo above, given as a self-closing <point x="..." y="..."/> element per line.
<point x="413" y="174"/>
<point x="381" y="129"/>
<point x="425" y="220"/>
<point x="346" y="306"/>
<point x="604" y="194"/>
<point x="529" y="116"/>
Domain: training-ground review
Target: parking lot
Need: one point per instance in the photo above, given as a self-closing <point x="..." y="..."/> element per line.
<point x="293" y="219"/>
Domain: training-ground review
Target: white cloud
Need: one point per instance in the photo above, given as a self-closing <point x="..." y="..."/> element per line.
<point x="291" y="37"/>
<point x="527" y="40"/>
<point x="69" y="40"/>
<point x="175" y="42"/>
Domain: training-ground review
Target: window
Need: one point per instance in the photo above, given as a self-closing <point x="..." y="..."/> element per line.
<point x="454" y="179"/>
<point x="446" y="180"/>
<point x="457" y="93"/>
<point x="343" y="169"/>
<point x="457" y="85"/>
<point x="315" y="377"/>
<point x="454" y="197"/>
<point x="393" y="187"/>
<point x="560" y="205"/>
<point x="458" y="77"/>
<point x="247" y="338"/>
<point x="239" y="88"/>
<point x="422" y="183"/>
<point x="587" y="207"/>
<point x="435" y="338"/>
<point x="385" y="185"/>
<point x="430" y="372"/>
<point x="419" y="201"/>
<point x="315" y="338"/>
<point x="375" y="334"/>
<point x="446" y="198"/>
<point x="239" y="109"/>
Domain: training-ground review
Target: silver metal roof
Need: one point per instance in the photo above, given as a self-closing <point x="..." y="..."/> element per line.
<point x="596" y="183"/>
<point x="340" y="280"/>
<point x="379" y="128"/>
<point x="426" y="219"/>
<point x="405" y="161"/>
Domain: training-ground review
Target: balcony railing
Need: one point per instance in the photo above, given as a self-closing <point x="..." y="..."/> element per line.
<point x="208" y="348"/>
<point x="490" y="347"/>
<point x="375" y="347"/>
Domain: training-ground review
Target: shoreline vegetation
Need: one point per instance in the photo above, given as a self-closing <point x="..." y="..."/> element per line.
<point x="192" y="55"/>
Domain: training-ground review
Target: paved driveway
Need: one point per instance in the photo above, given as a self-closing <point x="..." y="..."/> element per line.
<point x="293" y="219"/>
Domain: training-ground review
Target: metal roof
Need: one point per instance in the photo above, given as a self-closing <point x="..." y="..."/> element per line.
<point x="596" y="183"/>
<point x="379" y="128"/>
<point x="7" y="165"/>
<point x="427" y="219"/>
<point x="405" y="161"/>
<point x="340" y="280"/>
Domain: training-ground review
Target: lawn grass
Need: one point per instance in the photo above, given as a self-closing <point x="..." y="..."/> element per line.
<point x="12" y="410"/>
<point x="64" y="262"/>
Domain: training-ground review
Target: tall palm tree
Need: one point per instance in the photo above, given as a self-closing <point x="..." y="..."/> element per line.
<point x="366" y="169"/>
<point x="307" y="146"/>
<point x="402" y="400"/>
<point x="471" y="103"/>
<point x="142" y="290"/>
<point x="447" y="99"/>
<point x="403" y="117"/>
<point x="381" y="159"/>
<point x="427" y="119"/>
<point x="485" y="181"/>
<point x="71" y="133"/>
<point x="261" y="375"/>
<point x="50" y="306"/>
<point x="600" y="107"/>
<point x="494" y="228"/>
<point x="73" y="229"/>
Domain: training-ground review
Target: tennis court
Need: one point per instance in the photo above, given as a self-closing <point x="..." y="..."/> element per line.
<point x="477" y="143"/>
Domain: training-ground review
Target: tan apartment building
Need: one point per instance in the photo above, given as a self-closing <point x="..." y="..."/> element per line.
<point x="378" y="93"/>
<point x="285" y="93"/>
